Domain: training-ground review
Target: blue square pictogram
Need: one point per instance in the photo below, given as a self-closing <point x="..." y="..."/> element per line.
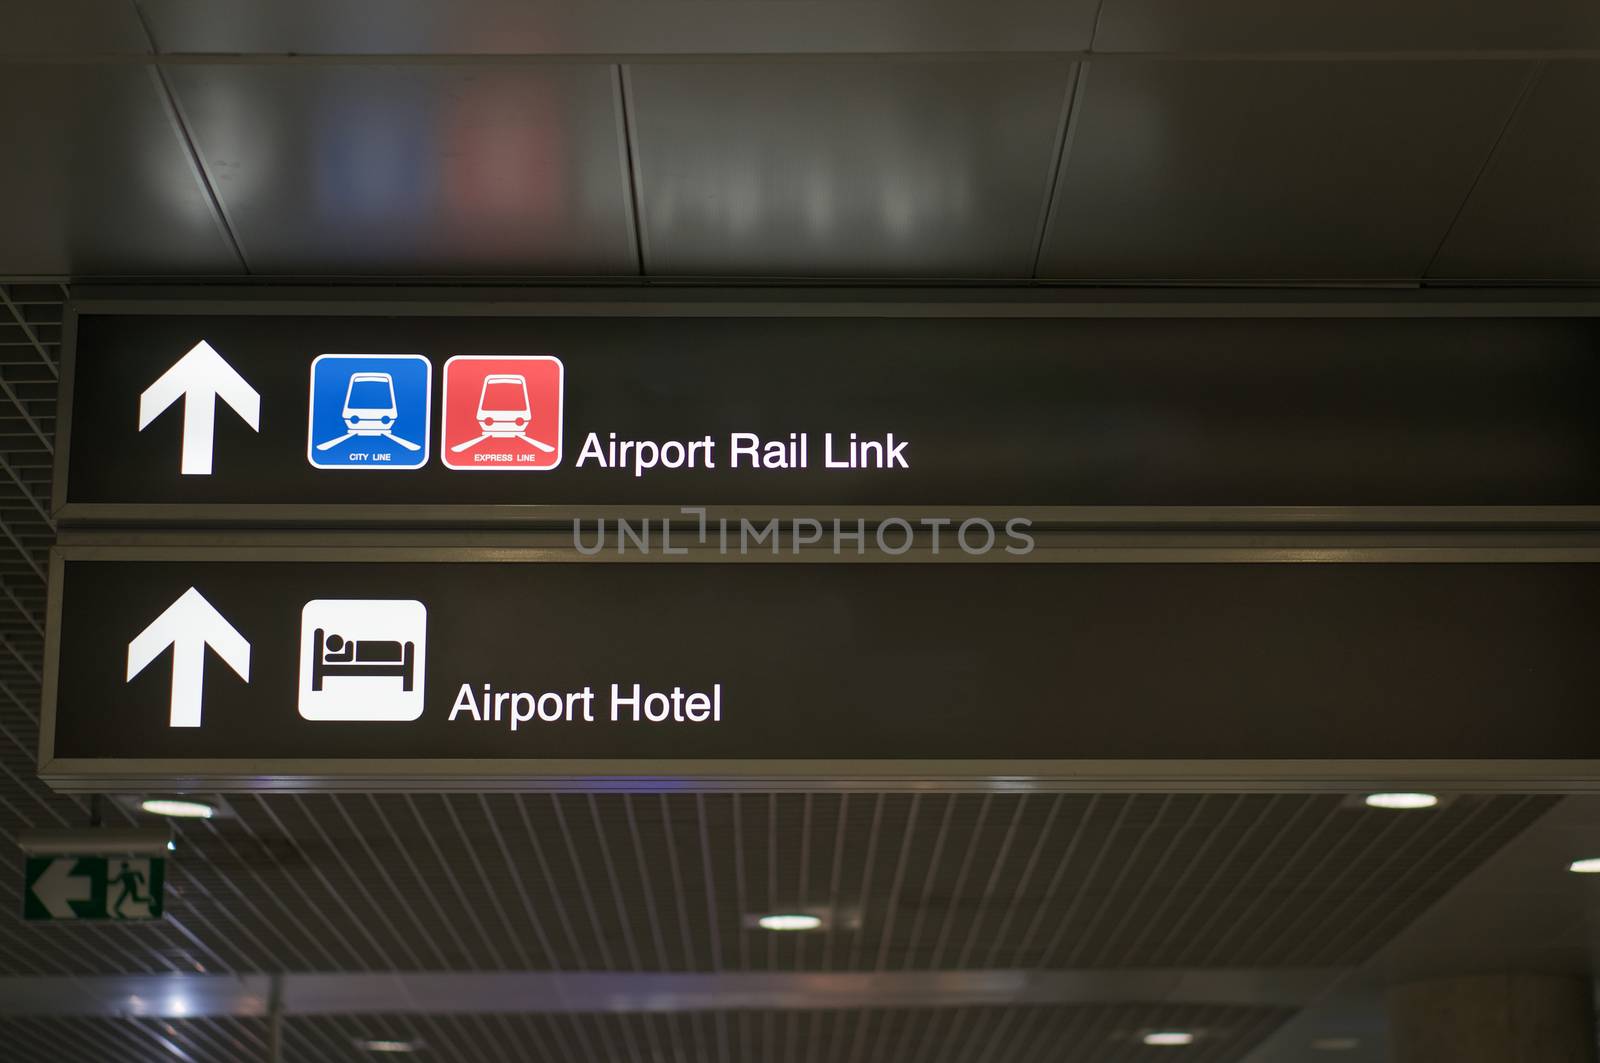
<point x="370" y="411"/>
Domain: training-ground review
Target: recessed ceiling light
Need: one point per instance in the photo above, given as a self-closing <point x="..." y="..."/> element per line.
<point x="379" y="1045"/>
<point x="1402" y="801"/>
<point x="1170" y="1038"/>
<point x="1589" y="865"/>
<point x="166" y="806"/>
<point x="1336" y="1044"/>
<point x="789" y="921"/>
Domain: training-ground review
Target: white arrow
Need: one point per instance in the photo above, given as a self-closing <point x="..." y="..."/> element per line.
<point x="189" y="625"/>
<point x="198" y="378"/>
<point x="58" y="887"/>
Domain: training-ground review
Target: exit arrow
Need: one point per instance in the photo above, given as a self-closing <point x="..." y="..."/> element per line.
<point x="189" y="625"/>
<point x="58" y="887"/>
<point x="198" y="378"/>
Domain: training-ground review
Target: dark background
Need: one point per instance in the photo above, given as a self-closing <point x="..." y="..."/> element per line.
<point x="887" y="660"/>
<point x="998" y="412"/>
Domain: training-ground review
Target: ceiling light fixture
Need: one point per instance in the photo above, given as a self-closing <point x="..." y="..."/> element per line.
<point x="1336" y="1044"/>
<point x="1169" y="1038"/>
<point x="383" y="1045"/>
<point x="177" y="808"/>
<point x="1402" y="801"/>
<point x="789" y="921"/>
<point x="1589" y="865"/>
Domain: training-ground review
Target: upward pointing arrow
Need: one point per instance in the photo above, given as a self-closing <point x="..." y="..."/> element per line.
<point x="58" y="887"/>
<point x="198" y="378"/>
<point x="189" y="625"/>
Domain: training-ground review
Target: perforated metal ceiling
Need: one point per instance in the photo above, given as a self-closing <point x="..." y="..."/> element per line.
<point x="30" y="346"/>
<point x="663" y="883"/>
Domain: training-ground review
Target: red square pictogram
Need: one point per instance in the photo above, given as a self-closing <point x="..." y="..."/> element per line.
<point x="502" y="414"/>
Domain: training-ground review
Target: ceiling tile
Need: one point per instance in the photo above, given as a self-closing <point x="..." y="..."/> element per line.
<point x="71" y="27"/>
<point x="1271" y="170"/>
<point x="1535" y="214"/>
<point x="1345" y="25"/>
<point x="621" y="26"/>
<point x="906" y="169"/>
<point x="415" y="169"/>
<point x="95" y="180"/>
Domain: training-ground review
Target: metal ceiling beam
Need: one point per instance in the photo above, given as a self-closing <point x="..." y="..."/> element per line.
<point x="27" y="492"/>
<point x="27" y="331"/>
<point x="28" y="418"/>
<point x="23" y="552"/>
<point x="540" y="992"/>
<point x="655" y="297"/>
<point x="402" y="58"/>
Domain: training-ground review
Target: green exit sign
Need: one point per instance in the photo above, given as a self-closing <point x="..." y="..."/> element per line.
<point x="60" y="888"/>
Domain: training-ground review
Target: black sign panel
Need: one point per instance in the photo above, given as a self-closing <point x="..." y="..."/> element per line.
<point x="380" y="418"/>
<point x="325" y="670"/>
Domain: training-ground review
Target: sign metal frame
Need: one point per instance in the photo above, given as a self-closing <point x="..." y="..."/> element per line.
<point x="755" y="302"/>
<point x="1066" y="534"/>
<point x="770" y="775"/>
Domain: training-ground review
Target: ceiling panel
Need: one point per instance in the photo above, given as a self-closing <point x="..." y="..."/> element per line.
<point x="71" y="26"/>
<point x="906" y="169"/>
<point x="94" y="178"/>
<point x="1345" y="25"/>
<point x="620" y="27"/>
<point x="417" y="170"/>
<point x="1306" y="170"/>
<point x="1535" y="214"/>
<point x="1519" y="911"/>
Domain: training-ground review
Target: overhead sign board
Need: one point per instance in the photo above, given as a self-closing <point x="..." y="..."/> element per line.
<point x="323" y="667"/>
<point x="188" y="412"/>
<point x="78" y="888"/>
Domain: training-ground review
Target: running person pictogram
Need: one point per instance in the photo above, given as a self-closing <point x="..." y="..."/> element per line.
<point x="132" y="882"/>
